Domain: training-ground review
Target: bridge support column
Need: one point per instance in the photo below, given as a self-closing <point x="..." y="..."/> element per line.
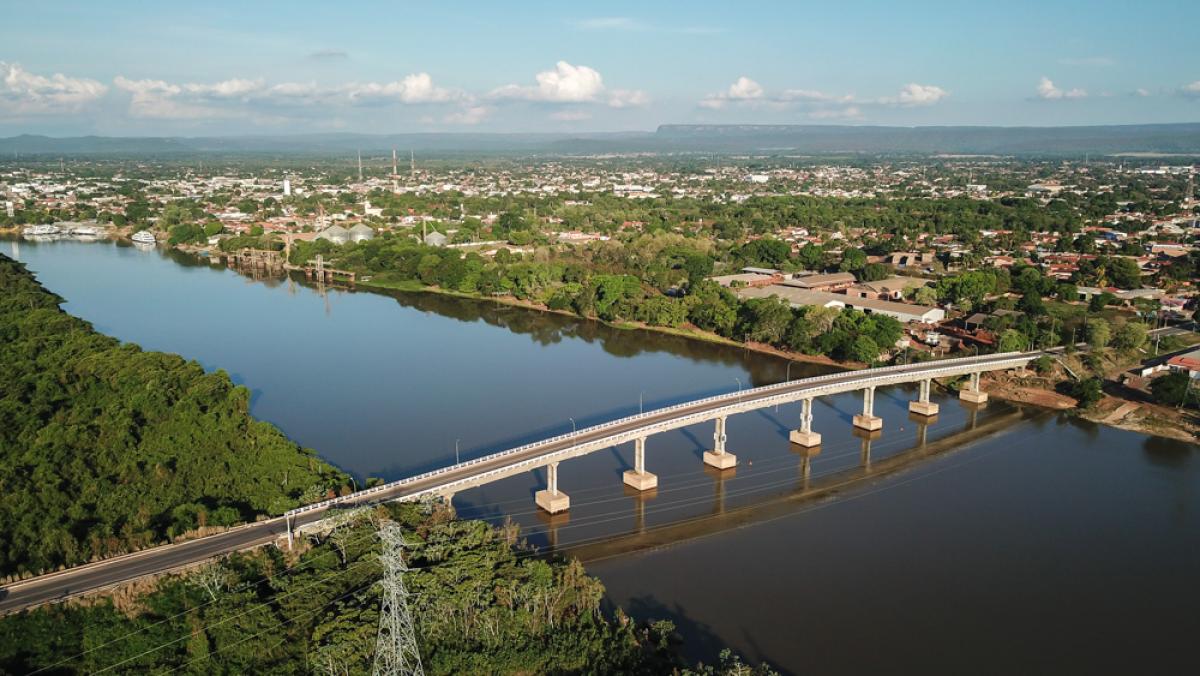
<point x="805" y="436"/>
<point x="638" y="478"/>
<point x="718" y="457"/>
<point x="922" y="406"/>
<point x="972" y="393"/>
<point x="551" y="499"/>
<point x="868" y="420"/>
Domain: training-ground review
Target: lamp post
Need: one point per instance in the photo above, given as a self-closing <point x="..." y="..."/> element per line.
<point x="739" y="384"/>
<point x="640" y="395"/>
<point x="456" y="460"/>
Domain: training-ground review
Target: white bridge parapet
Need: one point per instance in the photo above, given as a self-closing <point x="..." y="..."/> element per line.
<point x="496" y="466"/>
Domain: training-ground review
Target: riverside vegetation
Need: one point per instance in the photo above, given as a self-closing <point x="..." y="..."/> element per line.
<point x="105" y="448"/>
<point x="483" y="603"/>
<point x="108" y="448"/>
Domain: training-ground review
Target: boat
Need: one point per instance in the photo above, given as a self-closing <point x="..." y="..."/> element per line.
<point x="143" y="237"/>
<point x="86" y="231"/>
<point x="41" y="230"/>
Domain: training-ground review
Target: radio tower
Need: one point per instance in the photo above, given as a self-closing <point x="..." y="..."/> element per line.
<point x="360" y="166"/>
<point x="396" y="651"/>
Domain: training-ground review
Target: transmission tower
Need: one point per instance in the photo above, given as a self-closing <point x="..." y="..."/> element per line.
<point x="396" y="651"/>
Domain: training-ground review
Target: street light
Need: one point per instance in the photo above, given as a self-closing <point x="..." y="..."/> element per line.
<point x="739" y="384"/>
<point x="456" y="460"/>
<point x="640" y="395"/>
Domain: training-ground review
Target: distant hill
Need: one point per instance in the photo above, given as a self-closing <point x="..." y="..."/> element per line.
<point x="671" y="138"/>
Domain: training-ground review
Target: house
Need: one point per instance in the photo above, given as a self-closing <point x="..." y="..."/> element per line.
<point x="798" y="297"/>
<point x="904" y="259"/>
<point x="829" y="282"/>
<point x="892" y="288"/>
<point x="1188" y="362"/>
<point x="435" y="238"/>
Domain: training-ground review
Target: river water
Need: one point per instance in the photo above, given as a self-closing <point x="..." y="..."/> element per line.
<point x="992" y="540"/>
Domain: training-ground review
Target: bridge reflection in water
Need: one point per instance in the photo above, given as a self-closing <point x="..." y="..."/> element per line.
<point x="813" y="487"/>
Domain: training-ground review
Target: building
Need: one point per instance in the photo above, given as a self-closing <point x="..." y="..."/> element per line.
<point x="335" y="233"/>
<point x="831" y="282"/>
<point x="798" y="297"/>
<point x="1188" y="362"/>
<point x="287" y="187"/>
<point x="435" y="238"/>
<point x="892" y="288"/>
<point x="750" y="277"/>
<point x="361" y="233"/>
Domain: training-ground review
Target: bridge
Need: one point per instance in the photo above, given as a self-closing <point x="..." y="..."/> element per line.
<point x="547" y="453"/>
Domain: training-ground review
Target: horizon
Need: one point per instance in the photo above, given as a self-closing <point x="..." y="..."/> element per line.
<point x="130" y="70"/>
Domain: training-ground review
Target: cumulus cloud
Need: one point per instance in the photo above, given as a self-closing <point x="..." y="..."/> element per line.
<point x="470" y="115"/>
<point x="918" y="95"/>
<point x="23" y="92"/>
<point x="821" y="105"/>
<point x="742" y="89"/>
<point x="1191" y="90"/>
<point x="1048" y="91"/>
<point x="415" y="88"/>
<point x="568" y="83"/>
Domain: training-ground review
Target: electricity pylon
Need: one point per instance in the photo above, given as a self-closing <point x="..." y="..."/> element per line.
<point x="396" y="651"/>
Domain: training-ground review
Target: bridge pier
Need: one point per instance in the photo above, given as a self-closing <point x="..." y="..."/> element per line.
<point x="638" y="478"/>
<point x="718" y="457"/>
<point x="972" y="394"/>
<point x="805" y="436"/>
<point x="868" y="420"/>
<point x="551" y="499"/>
<point x="922" y="406"/>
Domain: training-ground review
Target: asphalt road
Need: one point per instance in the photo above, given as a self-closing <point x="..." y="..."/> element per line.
<point x="110" y="572"/>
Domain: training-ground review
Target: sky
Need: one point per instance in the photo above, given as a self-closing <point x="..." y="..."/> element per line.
<point x="231" y="68"/>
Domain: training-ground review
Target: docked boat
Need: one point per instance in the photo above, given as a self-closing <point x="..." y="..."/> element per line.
<point x="86" y="231"/>
<point x="41" y="230"/>
<point x="143" y="237"/>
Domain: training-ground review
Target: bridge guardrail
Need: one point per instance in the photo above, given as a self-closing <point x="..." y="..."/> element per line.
<point x="730" y="396"/>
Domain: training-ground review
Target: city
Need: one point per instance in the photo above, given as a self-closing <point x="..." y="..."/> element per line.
<point x="579" y="397"/>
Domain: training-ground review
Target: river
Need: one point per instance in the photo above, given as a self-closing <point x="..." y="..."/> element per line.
<point x="992" y="540"/>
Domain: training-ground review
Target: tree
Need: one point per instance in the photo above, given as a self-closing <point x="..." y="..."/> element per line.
<point x="1131" y="336"/>
<point x="1012" y="340"/>
<point x="926" y="295"/>
<point x="1099" y="331"/>
<point x="764" y="319"/>
<point x="852" y="259"/>
<point x="864" y="349"/>
<point x="1125" y="273"/>
<point x="1087" y="392"/>
<point x="1172" y="388"/>
<point x="1101" y="300"/>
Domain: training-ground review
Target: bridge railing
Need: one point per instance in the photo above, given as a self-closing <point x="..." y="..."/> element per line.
<point x="752" y="393"/>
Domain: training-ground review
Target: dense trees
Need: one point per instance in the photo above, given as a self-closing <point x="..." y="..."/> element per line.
<point x="483" y="603"/>
<point x="104" y="447"/>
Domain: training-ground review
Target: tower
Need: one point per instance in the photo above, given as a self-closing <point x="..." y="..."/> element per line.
<point x="287" y="187"/>
<point x="396" y="645"/>
<point x="412" y="162"/>
<point x="360" y="166"/>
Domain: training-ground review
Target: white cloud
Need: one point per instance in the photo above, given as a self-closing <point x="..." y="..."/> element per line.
<point x="1191" y="90"/>
<point x="813" y="96"/>
<point x="918" y="95"/>
<point x="228" y="89"/>
<point x="742" y="89"/>
<point x="471" y="115"/>
<point x="847" y="113"/>
<point x="158" y="99"/>
<point x="565" y="84"/>
<point x="1047" y="90"/>
<point x="1141" y="91"/>
<point x="627" y="98"/>
<point x="415" y="88"/>
<point x="568" y="83"/>
<point x="23" y="92"/>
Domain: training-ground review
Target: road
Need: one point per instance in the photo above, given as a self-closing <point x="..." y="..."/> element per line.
<point x="100" y="575"/>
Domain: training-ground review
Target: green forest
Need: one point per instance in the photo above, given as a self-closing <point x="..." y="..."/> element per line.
<point x="106" y="448"/>
<point x="482" y="601"/>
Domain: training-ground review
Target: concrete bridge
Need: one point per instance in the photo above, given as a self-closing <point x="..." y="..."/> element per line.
<point x="548" y="453"/>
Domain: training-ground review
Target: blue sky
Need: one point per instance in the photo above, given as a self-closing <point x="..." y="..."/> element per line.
<point x="146" y="68"/>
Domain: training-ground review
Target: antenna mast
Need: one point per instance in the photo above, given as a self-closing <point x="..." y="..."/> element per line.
<point x="396" y="650"/>
<point x="360" y="166"/>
